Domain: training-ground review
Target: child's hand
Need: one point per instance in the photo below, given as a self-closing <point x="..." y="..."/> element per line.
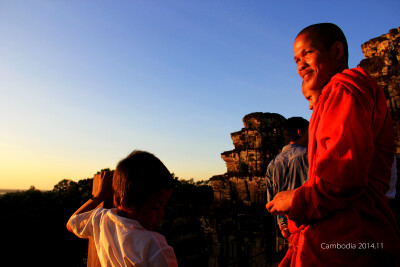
<point x="105" y="185"/>
<point x="104" y="191"/>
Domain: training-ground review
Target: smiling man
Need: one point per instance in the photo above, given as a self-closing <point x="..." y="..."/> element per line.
<point x="311" y="95"/>
<point x="347" y="218"/>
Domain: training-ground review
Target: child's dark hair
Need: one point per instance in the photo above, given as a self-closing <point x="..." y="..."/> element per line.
<point x="290" y="127"/>
<point x="138" y="176"/>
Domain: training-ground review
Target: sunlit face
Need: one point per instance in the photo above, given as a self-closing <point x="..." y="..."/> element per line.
<point x="312" y="96"/>
<point x="151" y="212"/>
<point x="315" y="64"/>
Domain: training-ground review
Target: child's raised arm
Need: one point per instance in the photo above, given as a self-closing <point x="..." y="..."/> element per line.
<point x="104" y="192"/>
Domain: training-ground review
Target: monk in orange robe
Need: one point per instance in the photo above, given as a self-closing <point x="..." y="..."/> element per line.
<point x="343" y="208"/>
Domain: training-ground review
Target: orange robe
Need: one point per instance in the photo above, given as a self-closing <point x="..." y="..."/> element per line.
<point x="347" y="218"/>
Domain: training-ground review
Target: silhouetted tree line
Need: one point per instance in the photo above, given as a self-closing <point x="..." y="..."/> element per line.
<point x="34" y="233"/>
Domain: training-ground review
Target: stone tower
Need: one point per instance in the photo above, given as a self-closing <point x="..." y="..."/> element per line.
<point x="382" y="60"/>
<point x="255" y="145"/>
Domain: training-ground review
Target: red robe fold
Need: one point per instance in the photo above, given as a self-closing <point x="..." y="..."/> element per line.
<point x="343" y="204"/>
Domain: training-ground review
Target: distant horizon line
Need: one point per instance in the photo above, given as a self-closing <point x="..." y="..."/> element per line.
<point x="4" y="191"/>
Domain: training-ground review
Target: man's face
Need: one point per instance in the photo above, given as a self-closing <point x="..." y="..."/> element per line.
<point x="312" y="96"/>
<point x="315" y="64"/>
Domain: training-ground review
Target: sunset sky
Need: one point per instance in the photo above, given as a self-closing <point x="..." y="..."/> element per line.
<point x="83" y="83"/>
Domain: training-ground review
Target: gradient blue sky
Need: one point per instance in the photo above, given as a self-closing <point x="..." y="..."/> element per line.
<point x="83" y="83"/>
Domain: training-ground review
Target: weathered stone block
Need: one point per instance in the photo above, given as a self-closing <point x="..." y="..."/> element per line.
<point x="259" y="141"/>
<point x="382" y="47"/>
<point x="382" y="57"/>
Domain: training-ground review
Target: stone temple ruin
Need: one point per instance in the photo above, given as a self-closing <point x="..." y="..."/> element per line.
<point x="382" y="60"/>
<point x="261" y="138"/>
<point x="255" y="145"/>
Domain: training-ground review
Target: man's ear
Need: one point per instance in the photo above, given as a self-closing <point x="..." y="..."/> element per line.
<point x="300" y="132"/>
<point x="337" y="50"/>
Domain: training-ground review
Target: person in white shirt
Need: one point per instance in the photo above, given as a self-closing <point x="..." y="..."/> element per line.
<point x="124" y="236"/>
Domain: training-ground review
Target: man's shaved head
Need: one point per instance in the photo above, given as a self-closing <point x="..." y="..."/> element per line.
<point x="327" y="34"/>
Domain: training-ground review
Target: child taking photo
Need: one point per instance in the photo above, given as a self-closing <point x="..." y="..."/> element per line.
<point x="124" y="236"/>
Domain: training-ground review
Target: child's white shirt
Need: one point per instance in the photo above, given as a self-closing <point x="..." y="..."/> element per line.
<point x="122" y="241"/>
